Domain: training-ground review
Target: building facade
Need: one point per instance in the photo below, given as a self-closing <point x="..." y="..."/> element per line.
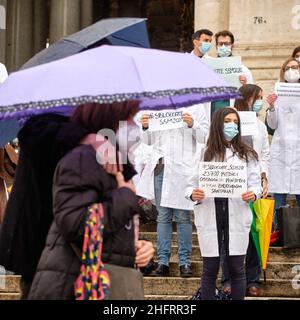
<point x="266" y="31"/>
<point x="26" y="26"/>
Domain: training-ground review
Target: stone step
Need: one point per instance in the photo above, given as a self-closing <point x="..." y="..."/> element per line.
<point x="275" y="270"/>
<point x="152" y="236"/>
<point x="276" y="254"/>
<point x="10" y="296"/>
<point x="151" y="227"/>
<point x="187" y="287"/>
<point x="10" y="284"/>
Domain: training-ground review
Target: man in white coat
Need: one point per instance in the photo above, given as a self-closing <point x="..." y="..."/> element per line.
<point x="164" y="179"/>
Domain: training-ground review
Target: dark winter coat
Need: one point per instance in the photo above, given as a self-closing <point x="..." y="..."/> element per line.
<point x="80" y="181"/>
<point x="44" y="140"/>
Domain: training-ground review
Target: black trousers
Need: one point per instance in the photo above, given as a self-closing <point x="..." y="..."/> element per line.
<point x="211" y="265"/>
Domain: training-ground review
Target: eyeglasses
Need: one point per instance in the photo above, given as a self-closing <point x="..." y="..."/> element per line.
<point x="226" y="44"/>
<point x="291" y="67"/>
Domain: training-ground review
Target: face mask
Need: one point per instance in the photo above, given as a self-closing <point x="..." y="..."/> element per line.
<point x="224" y="51"/>
<point x="292" y="75"/>
<point x="230" y="130"/>
<point x="204" y="47"/>
<point x="257" y="105"/>
<point x="298" y="59"/>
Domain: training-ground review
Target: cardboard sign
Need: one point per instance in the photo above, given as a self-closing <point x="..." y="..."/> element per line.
<point x="165" y="120"/>
<point x="288" y="95"/>
<point x="229" y="68"/>
<point x="249" y="125"/>
<point x="222" y="179"/>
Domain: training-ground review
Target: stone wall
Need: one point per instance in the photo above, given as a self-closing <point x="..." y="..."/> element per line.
<point x="266" y="32"/>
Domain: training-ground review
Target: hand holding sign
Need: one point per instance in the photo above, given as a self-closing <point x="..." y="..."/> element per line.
<point x="145" y="121"/>
<point x="188" y="119"/>
<point x="198" y="195"/>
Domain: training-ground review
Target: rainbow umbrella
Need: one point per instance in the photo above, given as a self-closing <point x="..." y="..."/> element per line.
<point x="261" y="228"/>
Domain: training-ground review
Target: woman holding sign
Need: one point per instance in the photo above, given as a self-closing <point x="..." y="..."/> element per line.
<point x="285" y="147"/>
<point x="252" y="101"/>
<point x="225" y="219"/>
<point x="164" y="178"/>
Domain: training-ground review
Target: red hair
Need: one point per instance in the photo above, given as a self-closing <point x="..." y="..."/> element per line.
<point x="96" y="116"/>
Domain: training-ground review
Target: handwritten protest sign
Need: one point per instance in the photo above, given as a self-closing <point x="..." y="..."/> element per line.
<point x="221" y="179"/>
<point x="165" y="120"/>
<point x="249" y="125"/>
<point x="229" y="68"/>
<point x="288" y="95"/>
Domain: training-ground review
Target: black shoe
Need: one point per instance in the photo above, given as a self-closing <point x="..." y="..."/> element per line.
<point x="185" y="271"/>
<point x="161" y="271"/>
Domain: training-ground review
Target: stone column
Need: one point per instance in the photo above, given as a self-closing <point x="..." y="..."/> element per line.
<point x="3" y="7"/>
<point x="64" y="18"/>
<point x="19" y="36"/>
<point x="86" y="13"/>
<point x="41" y="24"/>
<point x="212" y="15"/>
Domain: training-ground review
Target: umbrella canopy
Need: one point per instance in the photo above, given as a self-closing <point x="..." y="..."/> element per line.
<point x="160" y="79"/>
<point x="261" y="228"/>
<point x="114" y="31"/>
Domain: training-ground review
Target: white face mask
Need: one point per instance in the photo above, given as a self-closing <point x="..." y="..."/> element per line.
<point x="292" y="75"/>
<point x="298" y="59"/>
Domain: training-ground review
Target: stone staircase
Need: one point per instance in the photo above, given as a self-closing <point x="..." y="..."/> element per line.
<point x="279" y="273"/>
<point x="10" y="287"/>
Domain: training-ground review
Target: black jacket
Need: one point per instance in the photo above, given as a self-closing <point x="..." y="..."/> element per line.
<point x="80" y="181"/>
<point x="44" y="140"/>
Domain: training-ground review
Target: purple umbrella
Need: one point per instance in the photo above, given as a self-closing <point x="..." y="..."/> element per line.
<point x="160" y="79"/>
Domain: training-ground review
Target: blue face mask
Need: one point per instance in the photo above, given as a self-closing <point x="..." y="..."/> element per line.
<point x="257" y="105"/>
<point x="230" y="130"/>
<point x="224" y="51"/>
<point x="204" y="47"/>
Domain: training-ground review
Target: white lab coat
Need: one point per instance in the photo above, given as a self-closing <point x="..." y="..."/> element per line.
<point x="178" y="148"/>
<point x="3" y="73"/>
<point x="240" y="215"/>
<point x="284" y="174"/>
<point x="262" y="147"/>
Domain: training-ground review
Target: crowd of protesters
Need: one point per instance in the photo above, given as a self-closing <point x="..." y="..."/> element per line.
<point x="61" y="177"/>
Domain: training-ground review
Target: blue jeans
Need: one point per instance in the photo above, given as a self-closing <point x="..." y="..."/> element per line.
<point x="280" y="201"/>
<point x="164" y="228"/>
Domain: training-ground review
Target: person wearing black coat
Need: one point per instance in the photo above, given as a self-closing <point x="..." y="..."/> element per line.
<point x="44" y="140"/>
<point x="79" y="182"/>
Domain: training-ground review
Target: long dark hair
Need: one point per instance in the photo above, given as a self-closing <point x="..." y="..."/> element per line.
<point x="96" y="116"/>
<point x="216" y="144"/>
<point x="296" y="50"/>
<point x="247" y="91"/>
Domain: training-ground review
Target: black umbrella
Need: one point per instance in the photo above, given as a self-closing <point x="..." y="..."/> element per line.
<point x="114" y="31"/>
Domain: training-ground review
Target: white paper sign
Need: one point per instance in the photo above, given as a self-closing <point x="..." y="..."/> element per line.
<point x="221" y="179"/>
<point x="165" y="120"/>
<point x="249" y="125"/>
<point x="229" y="68"/>
<point x="288" y="95"/>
